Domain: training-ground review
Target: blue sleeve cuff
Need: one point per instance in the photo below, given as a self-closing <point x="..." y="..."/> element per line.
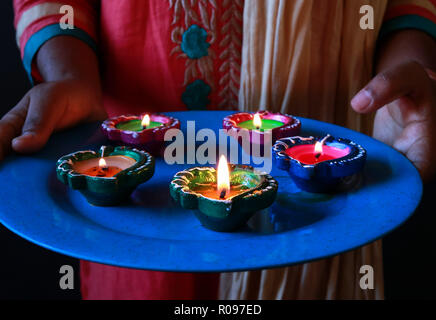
<point x="408" y="22"/>
<point x="42" y="36"/>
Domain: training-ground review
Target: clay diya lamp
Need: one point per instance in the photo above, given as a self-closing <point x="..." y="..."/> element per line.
<point x="224" y="199"/>
<point x="260" y="130"/>
<point x="319" y="165"/>
<point x="107" y="177"/>
<point x="146" y="131"/>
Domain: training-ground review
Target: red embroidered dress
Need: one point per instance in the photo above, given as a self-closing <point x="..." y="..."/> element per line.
<point x="162" y="55"/>
<point x="155" y="56"/>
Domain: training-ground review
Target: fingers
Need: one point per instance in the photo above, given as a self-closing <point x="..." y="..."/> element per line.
<point x="39" y="123"/>
<point x="46" y="107"/>
<point x="408" y="79"/>
<point x="11" y="124"/>
<point x="431" y="74"/>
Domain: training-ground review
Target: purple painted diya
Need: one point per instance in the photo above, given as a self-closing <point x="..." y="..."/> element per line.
<point x="260" y="127"/>
<point x="146" y="131"/>
<point x="319" y="165"/>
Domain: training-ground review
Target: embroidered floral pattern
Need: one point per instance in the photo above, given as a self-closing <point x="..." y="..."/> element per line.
<point x="196" y="95"/>
<point x="231" y="44"/>
<point x="186" y="13"/>
<point x="195" y="32"/>
<point x="194" y="42"/>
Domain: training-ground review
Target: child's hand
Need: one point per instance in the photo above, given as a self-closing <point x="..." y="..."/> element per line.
<point x="405" y="100"/>
<point x="46" y="108"/>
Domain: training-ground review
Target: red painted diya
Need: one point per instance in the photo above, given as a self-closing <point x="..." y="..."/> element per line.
<point x="146" y="131"/>
<point x="319" y="165"/>
<point x="260" y="129"/>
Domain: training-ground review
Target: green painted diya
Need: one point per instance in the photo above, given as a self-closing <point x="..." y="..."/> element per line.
<point x="107" y="177"/>
<point x="250" y="191"/>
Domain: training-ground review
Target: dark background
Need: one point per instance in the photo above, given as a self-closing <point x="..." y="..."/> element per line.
<point x="28" y="271"/>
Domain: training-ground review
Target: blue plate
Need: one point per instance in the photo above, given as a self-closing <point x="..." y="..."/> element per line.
<point x="152" y="233"/>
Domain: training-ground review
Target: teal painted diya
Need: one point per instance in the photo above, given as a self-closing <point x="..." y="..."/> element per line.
<point x="319" y="165"/>
<point x="224" y="199"/>
<point x="146" y="131"/>
<point x="107" y="177"/>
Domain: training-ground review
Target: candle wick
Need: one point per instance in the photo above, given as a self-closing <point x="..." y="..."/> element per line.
<point x="223" y="194"/>
<point x="318" y="155"/>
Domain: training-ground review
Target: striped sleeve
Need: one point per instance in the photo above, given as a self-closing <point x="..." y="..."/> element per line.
<point x="37" y="21"/>
<point x="410" y="14"/>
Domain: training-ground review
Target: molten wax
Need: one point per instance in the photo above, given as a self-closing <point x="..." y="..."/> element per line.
<point x="114" y="165"/>
<point x="306" y="153"/>
<point x="267" y="124"/>
<point x="211" y="191"/>
<point x="136" y="125"/>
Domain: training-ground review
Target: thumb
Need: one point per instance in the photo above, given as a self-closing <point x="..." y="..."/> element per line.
<point x="37" y="127"/>
<point x="408" y="79"/>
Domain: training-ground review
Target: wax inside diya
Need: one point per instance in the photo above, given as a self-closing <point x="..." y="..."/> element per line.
<point x="136" y="125"/>
<point x="210" y="191"/>
<point x="267" y="124"/>
<point x="240" y="182"/>
<point x="308" y="154"/>
<point x="260" y="124"/>
<point x="106" y="167"/>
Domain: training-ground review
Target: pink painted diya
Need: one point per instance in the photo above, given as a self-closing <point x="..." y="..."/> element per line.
<point x="259" y="127"/>
<point x="146" y="131"/>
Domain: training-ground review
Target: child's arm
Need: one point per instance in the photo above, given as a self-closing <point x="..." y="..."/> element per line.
<point x="70" y="94"/>
<point x="66" y="63"/>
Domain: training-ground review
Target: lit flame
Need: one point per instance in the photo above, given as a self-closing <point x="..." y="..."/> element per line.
<point x="223" y="176"/>
<point x="257" y="121"/>
<point x="146" y="121"/>
<point x="102" y="163"/>
<point x="318" y="148"/>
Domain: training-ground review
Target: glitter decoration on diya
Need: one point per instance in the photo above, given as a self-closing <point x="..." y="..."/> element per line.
<point x="225" y="198"/>
<point x="107" y="177"/>
<point x="319" y="165"/>
<point x="260" y="129"/>
<point x="146" y="131"/>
